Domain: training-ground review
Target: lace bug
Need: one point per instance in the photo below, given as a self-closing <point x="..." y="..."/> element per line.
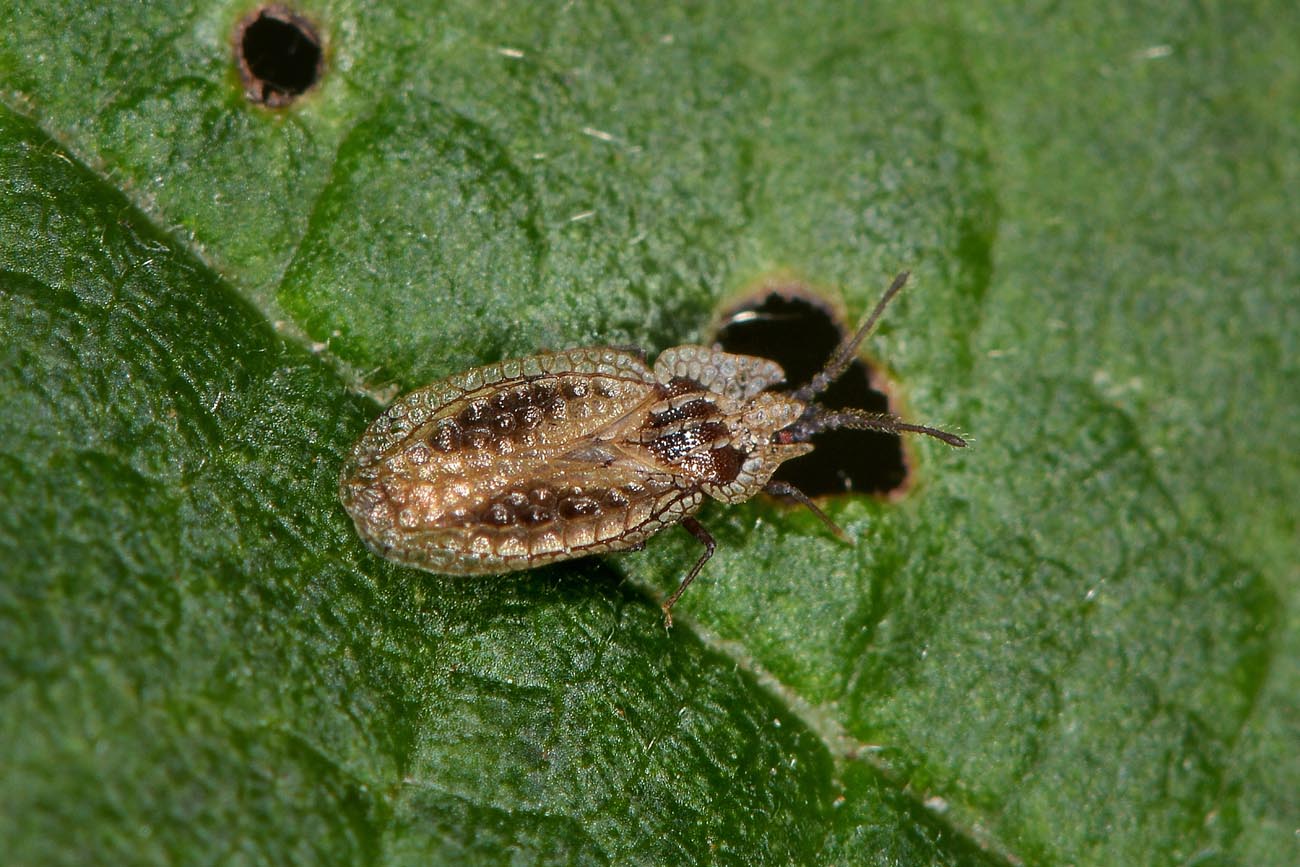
<point x="560" y="455"/>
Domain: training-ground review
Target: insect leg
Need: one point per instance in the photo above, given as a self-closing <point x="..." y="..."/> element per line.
<point x="696" y="529"/>
<point x="785" y="489"/>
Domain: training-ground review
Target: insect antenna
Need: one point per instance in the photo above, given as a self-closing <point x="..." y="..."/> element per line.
<point x="847" y="351"/>
<point x="822" y="419"/>
<point x="817" y="419"/>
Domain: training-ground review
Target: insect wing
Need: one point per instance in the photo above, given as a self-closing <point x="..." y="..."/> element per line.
<point x="569" y="514"/>
<point x="510" y="466"/>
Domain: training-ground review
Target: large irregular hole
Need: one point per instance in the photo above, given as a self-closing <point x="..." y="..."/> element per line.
<point x="799" y="331"/>
<point x="279" y="55"/>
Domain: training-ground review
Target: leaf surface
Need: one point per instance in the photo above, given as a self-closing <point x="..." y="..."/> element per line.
<point x="1074" y="643"/>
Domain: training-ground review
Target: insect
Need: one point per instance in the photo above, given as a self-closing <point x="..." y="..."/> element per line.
<point x="564" y="454"/>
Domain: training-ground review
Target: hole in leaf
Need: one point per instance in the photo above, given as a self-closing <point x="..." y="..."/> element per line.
<point x="799" y="331"/>
<point x="279" y="55"/>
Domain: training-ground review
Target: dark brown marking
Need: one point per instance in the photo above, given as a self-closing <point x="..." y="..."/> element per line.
<point x="534" y="515"/>
<point x="504" y="424"/>
<point x="615" y="499"/>
<point x="579" y="507"/>
<point x="576" y="388"/>
<point x="674" y="447"/>
<point x="446" y="436"/>
<point x="479" y="437"/>
<point x="475" y="412"/>
<point x="725" y="464"/>
<point x="557" y="410"/>
<point x="692" y="409"/>
<point x="529" y="417"/>
<point x="542" y="392"/>
<point x="680" y="385"/>
<point x="499" y="515"/>
<point x="515" y="499"/>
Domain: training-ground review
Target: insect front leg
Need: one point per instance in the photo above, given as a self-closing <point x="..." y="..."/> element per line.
<point x="785" y="489"/>
<point x="696" y="529"/>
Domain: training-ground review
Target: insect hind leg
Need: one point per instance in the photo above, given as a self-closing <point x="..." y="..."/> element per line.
<point x="696" y="529"/>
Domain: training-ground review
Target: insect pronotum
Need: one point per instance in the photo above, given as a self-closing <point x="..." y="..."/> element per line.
<point x="563" y="454"/>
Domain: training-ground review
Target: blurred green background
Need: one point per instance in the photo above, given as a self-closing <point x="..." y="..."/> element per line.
<point x="1074" y="643"/>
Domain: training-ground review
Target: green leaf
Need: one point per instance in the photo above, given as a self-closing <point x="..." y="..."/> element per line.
<point x="1074" y="643"/>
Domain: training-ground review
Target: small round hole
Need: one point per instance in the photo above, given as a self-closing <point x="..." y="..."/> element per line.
<point x="279" y="55"/>
<point x="798" y="331"/>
